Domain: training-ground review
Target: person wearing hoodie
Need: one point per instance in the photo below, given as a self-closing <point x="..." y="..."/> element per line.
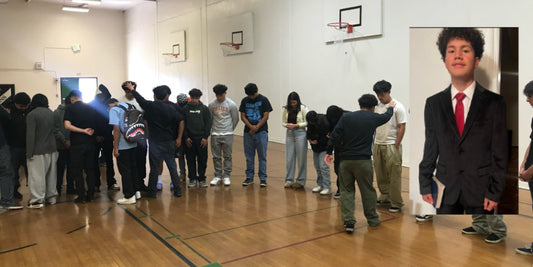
<point x="63" y="148"/>
<point x="197" y="130"/>
<point x="41" y="153"/>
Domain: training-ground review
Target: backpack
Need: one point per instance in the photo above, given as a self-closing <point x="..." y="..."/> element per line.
<point x="133" y="124"/>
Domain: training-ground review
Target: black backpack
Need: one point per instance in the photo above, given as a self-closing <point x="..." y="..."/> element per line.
<point x="133" y="124"/>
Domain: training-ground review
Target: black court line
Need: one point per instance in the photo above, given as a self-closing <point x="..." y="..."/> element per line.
<point x="162" y="240"/>
<point x="107" y="211"/>
<point x="260" y="222"/>
<point x="6" y="251"/>
<point x="79" y="228"/>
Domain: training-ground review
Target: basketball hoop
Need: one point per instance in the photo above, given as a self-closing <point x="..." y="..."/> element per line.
<point x="228" y="48"/>
<point x="341" y="26"/>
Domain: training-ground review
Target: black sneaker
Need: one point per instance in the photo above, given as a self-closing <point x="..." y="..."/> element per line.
<point x="349" y="227"/>
<point x="337" y="195"/>
<point x="177" y="191"/>
<point x="469" y="231"/>
<point x="247" y="182"/>
<point x="79" y="200"/>
<point x="263" y="183"/>
<point x="423" y="218"/>
<point x="525" y="250"/>
<point x="12" y="206"/>
<point x="494" y="239"/>
<point x="383" y="202"/>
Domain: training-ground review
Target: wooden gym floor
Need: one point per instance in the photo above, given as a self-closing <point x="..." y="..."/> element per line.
<point x="246" y="226"/>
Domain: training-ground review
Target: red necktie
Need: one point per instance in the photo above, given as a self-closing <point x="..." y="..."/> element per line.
<point x="460" y="112"/>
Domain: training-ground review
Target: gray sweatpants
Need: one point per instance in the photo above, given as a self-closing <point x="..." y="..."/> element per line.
<point x="42" y="177"/>
<point x="221" y="147"/>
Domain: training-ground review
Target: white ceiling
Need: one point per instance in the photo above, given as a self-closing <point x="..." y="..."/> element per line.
<point x="106" y="4"/>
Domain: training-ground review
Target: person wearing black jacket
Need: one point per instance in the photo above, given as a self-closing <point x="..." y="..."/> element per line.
<point x="357" y="132"/>
<point x="165" y="125"/>
<point x="196" y="132"/>
<point x="16" y="137"/>
<point x="317" y="134"/>
<point x="6" y="169"/>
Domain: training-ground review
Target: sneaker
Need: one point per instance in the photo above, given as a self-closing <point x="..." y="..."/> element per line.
<point x="171" y="186"/>
<point x="423" y="218"/>
<point x="35" y="205"/>
<point x="494" y="239"/>
<point x="395" y="209"/>
<point x="383" y="202"/>
<point x="325" y="191"/>
<point x="125" y="201"/>
<point x="296" y="185"/>
<point x="227" y="181"/>
<point x="192" y="183"/>
<point x="287" y="185"/>
<point x="247" y="182"/>
<point x="525" y="250"/>
<point x="177" y="192"/>
<point x="263" y="183"/>
<point x="349" y="227"/>
<point x="337" y="195"/>
<point x="12" y="206"/>
<point x="316" y="189"/>
<point x="215" y="181"/>
<point x="113" y="187"/>
<point x="159" y="186"/>
<point x="469" y="231"/>
<point x="51" y="201"/>
<point x="138" y="195"/>
<point x="203" y="184"/>
<point x="79" y="200"/>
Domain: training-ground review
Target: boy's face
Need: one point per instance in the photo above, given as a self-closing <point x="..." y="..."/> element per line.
<point x="221" y="97"/>
<point x="195" y="100"/>
<point x="460" y="59"/>
<point x="529" y="99"/>
<point x="384" y="97"/>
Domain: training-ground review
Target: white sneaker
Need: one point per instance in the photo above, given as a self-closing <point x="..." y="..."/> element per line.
<point x="227" y="181"/>
<point x="137" y="195"/>
<point x="325" y="191"/>
<point x="316" y="189"/>
<point x="215" y="181"/>
<point x="124" y="201"/>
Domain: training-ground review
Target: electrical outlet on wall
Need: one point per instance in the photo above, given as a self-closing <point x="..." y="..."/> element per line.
<point x="38" y="65"/>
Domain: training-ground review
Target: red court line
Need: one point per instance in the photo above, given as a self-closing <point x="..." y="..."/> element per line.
<point x="294" y="244"/>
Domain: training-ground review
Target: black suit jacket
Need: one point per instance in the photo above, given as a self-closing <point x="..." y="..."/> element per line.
<point x="473" y="165"/>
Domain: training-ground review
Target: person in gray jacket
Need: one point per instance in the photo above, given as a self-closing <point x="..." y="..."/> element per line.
<point x="41" y="153"/>
<point x="63" y="145"/>
<point x="225" y="115"/>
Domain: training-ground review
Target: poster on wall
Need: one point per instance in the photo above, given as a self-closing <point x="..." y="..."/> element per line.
<point x="7" y="92"/>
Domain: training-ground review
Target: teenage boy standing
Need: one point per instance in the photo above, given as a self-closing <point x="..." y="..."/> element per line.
<point x="225" y="115"/>
<point x="255" y="109"/>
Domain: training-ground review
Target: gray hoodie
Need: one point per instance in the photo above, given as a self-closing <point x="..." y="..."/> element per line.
<point x="225" y="116"/>
<point x="40" y="132"/>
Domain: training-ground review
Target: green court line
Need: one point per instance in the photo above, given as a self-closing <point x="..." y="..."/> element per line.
<point x="214" y="264"/>
<point x="260" y="222"/>
<point x="193" y="250"/>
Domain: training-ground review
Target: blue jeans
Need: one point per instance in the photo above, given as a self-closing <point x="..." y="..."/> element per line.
<point x="159" y="151"/>
<point x="6" y="176"/>
<point x="258" y="142"/>
<point x="322" y="170"/>
<point x="296" y="152"/>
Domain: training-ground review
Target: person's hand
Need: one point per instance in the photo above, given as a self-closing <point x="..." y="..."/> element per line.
<point x="253" y="130"/>
<point x="203" y="142"/>
<point x="313" y="142"/>
<point x="392" y="103"/>
<point x="67" y="144"/>
<point x="489" y="204"/>
<point x="328" y="159"/>
<point x="88" y="131"/>
<point x="397" y="146"/>
<point x="291" y="126"/>
<point x="525" y="176"/>
<point x="428" y="198"/>
<point x="188" y="142"/>
<point x="115" y="152"/>
<point x="130" y="86"/>
<point x="177" y="143"/>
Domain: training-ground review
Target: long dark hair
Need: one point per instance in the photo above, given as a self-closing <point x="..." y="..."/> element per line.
<point x="38" y="100"/>
<point x="293" y="96"/>
<point x="334" y="114"/>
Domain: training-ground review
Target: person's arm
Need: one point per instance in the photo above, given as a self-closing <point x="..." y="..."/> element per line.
<point x="525" y="174"/>
<point x="399" y="135"/>
<point x="180" y="133"/>
<point x="206" y="116"/>
<point x="246" y="122"/>
<point x="234" y="111"/>
<point x="284" y="118"/>
<point x="60" y="137"/>
<point x="30" y="134"/>
<point x="4" y="116"/>
<point x="116" y="137"/>
<point x="72" y="128"/>
<point x="429" y="158"/>
<point x="499" y="154"/>
<point x="302" y="124"/>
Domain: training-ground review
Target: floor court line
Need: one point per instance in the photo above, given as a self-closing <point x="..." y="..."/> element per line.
<point x="79" y="228"/>
<point x="15" y="249"/>
<point x="294" y="244"/>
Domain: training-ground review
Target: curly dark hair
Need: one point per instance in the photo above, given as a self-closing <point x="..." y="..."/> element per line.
<point x="219" y="89"/>
<point x="368" y="101"/>
<point x="195" y="93"/>
<point x="528" y="90"/>
<point x="382" y="87"/>
<point x="472" y="35"/>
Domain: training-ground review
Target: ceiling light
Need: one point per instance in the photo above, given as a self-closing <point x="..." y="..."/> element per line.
<point x="90" y="2"/>
<point x="75" y="9"/>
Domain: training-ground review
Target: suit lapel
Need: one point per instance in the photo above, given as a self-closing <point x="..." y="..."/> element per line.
<point x="447" y="108"/>
<point x="475" y="107"/>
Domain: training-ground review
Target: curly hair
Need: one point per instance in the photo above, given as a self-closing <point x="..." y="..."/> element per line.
<point x="471" y="35"/>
